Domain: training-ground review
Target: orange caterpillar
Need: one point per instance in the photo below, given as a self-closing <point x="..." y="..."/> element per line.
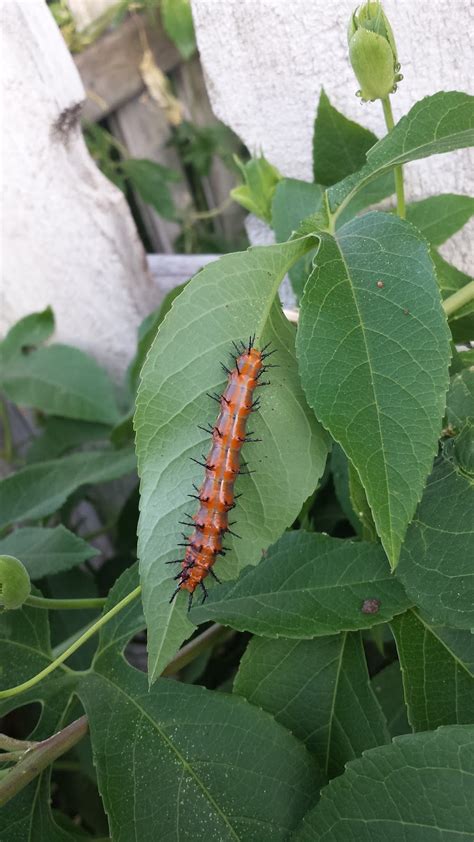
<point x="222" y="466"/>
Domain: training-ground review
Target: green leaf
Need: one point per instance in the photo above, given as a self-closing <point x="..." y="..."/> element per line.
<point x="204" y="765"/>
<point x="178" y="22"/>
<point x="256" y="195"/>
<point x="24" y="651"/>
<point x="29" y="332"/>
<point x="61" y="380"/>
<point x="59" y="435"/>
<point x="46" y="551"/>
<point x="439" y="217"/>
<point x="420" y="788"/>
<point x="228" y="300"/>
<point x="150" y="180"/>
<point x="439" y="123"/>
<point x="438" y="687"/>
<point x="146" y="334"/>
<point x="339" y="144"/>
<point x="373" y="348"/>
<point x="388" y="688"/>
<point x="340" y="476"/>
<point x="320" y="691"/>
<point x="309" y="585"/>
<point x="361" y="507"/>
<point x="294" y="201"/>
<point x="450" y="279"/>
<point x="38" y="490"/>
<point x="436" y="560"/>
<point x="460" y="399"/>
<point x="461" y="449"/>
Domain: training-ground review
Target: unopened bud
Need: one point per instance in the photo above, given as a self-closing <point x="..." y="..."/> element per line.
<point x="372" y="52"/>
<point x="15" y="585"/>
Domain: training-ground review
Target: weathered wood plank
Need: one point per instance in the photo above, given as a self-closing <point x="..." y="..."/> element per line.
<point x="142" y="127"/>
<point x="110" y="68"/>
<point x="191" y="89"/>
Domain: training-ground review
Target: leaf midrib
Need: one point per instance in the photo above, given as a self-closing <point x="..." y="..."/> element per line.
<point x="185" y="765"/>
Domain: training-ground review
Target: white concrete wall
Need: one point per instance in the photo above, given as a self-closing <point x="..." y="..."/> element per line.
<point x="266" y="60"/>
<point x="68" y="238"/>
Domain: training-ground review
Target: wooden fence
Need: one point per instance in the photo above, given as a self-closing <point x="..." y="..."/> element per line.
<point x="114" y="73"/>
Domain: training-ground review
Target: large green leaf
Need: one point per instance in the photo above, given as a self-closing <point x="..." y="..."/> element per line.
<point x="439" y="689"/>
<point x="460" y="399"/>
<point x="319" y="690"/>
<point x="339" y="144"/>
<point x="450" y="279"/>
<point x="373" y="348"/>
<point x="439" y="123"/>
<point x="146" y="334"/>
<point x="228" y="300"/>
<point x="27" y="333"/>
<point x="388" y="688"/>
<point x="419" y="789"/>
<point x="46" y="551"/>
<point x="309" y="585"/>
<point x="39" y="489"/>
<point x="61" y="380"/>
<point x="24" y="651"/>
<point x="184" y="762"/>
<point x="436" y="559"/>
<point x="439" y="217"/>
<point x="293" y="201"/>
<point x="60" y="435"/>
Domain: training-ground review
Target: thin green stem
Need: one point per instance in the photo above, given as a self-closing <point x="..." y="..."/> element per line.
<point x="7" y="432"/>
<point x="20" y="688"/>
<point x="38" y="758"/>
<point x="398" y="171"/>
<point x="459" y="299"/>
<point x="64" y="604"/>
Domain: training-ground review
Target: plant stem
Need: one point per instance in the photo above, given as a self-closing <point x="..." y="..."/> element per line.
<point x="398" y="171"/>
<point x="12" y="744"/>
<point x="7" y="432"/>
<point x="64" y="604"/>
<point x="20" y="688"/>
<point x="39" y="757"/>
<point x="459" y="299"/>
<point x="196" y="647"/>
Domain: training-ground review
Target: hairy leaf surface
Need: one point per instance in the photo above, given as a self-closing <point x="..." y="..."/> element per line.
<point x="373" y="348"/>
<point x="420" y="788"/>
<point x="228" y="300"/>
<point x="319" y="690"/>
<point x="309" y="585"/>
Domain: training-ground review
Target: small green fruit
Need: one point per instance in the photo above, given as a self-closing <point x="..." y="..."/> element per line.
<point x="15" y="585"/>
<point x="372" y="52"/>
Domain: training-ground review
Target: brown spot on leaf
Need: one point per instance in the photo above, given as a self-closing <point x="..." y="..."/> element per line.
<point x="370" y="606"/>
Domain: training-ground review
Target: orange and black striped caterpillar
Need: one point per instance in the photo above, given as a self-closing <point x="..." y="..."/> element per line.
<point x="222" y="466"/>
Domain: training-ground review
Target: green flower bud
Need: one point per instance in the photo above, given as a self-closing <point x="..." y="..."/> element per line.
<point x="372" y="52"/>
<point x="15" y="585"/>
